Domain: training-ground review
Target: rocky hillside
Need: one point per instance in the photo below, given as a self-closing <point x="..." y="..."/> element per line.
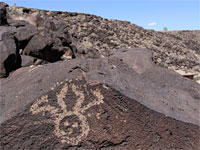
<point x="177" y="49"/>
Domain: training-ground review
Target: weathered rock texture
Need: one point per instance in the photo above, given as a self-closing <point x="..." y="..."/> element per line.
<point x="98" y="104"/>
<point x="108" y="98"/>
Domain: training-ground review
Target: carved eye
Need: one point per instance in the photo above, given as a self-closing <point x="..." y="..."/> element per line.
<point x="71" y="126"/>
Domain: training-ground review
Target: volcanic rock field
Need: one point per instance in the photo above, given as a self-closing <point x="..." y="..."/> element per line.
<point x="82" y="82"/>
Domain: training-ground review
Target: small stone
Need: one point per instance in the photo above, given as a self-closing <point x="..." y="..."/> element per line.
<point x="159" y="60"/>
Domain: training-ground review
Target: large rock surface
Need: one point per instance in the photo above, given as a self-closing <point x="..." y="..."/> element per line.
<point x="98" y="104"/>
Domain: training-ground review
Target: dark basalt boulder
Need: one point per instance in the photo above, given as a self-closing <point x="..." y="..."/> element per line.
<point x="48" y="41"/>
<point x="97" y="104"/>
<point x="24" y="35"/>
<point x="137" y="58"/>
<point x="10" y="59"/>
<point x="62" y="32"/>
<point x="49" y="46"/>
<point x="17" y="23"/>
<point x="3" y="19"/>
<point x="38" y="36"/>
<point x="39" y="46"/>
<point x="29" y="61"/>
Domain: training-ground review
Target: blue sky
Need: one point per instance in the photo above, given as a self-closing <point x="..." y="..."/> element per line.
<point x="150" y="14"/>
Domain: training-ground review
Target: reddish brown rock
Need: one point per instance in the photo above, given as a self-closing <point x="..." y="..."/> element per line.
<point x="80" y="114"/>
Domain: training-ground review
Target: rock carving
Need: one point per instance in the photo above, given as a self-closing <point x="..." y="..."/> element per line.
<point x="58" y="117"/>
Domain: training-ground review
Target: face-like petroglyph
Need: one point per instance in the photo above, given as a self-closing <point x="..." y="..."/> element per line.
<point x="71" y="126"/>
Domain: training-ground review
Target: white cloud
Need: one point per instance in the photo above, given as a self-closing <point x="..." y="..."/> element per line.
<point x="152" y="24"/>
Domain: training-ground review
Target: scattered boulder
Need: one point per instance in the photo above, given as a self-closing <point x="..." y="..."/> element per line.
<point x="59" y="25"/>
<point x="68" y="55"/>
<point x="139" y="59"/>
<point x="18" y="14"/>
<point x="3" y="19"/>
<point x="48" y="45"/>
<point x="88" y="53"/>
<point x="39" y="36"/>
<point x="17" y="23"/>
<point x="188" y="75"/>
<point x="64" y="37"/>
<point x="10" y="59"/>
<point x="40" y="47"/>
<point x="24" y="35"/>
<point x="29" y="61"/>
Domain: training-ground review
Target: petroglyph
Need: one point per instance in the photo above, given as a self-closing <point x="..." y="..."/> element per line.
<point x="34" y="67"/>
<point x="62" y="118"/>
